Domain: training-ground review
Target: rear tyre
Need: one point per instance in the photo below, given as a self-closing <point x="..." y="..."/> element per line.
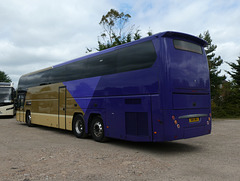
<point x="97" y="129"/>
<point x="29" y="119"/>
<point x="78" y="126"/>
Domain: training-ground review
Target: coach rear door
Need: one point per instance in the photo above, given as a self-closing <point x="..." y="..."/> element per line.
<point x="20" y="107"/>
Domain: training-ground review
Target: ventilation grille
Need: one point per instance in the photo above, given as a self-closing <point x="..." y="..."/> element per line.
<point x="136" y="123"/>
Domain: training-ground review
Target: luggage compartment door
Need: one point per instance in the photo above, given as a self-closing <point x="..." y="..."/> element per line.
<point x="62" y="107"/>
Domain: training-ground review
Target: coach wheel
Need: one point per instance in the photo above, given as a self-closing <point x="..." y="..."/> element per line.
<point x="97" y="129"/>
<point x="29" y="119"/>
<point x="79" y="126"/>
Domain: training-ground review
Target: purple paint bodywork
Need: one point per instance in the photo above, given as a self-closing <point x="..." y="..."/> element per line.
<point x="176" y="85"/>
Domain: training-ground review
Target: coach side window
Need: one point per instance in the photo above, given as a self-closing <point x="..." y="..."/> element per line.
<point x="101" y="65"/>
<point x="136" y="57"/>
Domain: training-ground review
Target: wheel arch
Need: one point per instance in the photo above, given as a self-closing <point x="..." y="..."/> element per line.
<point x="26" y="113"/>
<point x="76" y="113"/>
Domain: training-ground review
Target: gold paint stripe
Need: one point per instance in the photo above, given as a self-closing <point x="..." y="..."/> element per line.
<point x="51" y="120"/>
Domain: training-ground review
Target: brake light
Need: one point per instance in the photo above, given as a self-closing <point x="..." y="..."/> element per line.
<point x="175" y="121"/>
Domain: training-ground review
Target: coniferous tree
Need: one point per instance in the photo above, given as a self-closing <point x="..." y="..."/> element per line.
<point x="235" y="74"/>
<point x="4" y="77"/>
<point x="232" y="101"/>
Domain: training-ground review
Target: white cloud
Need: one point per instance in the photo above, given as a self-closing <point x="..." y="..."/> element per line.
<point x="36" y="34"/>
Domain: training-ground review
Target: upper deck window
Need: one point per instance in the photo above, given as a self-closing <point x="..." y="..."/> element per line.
<point x="187" y="46"/>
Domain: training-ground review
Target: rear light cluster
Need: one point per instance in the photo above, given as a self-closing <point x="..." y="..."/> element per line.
<point x="209" y="118"/>
<point x="175" y="122"/>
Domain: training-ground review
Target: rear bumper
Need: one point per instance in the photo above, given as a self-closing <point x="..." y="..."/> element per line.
<point x="197" y="131"/>
<point x="182" y="133"/>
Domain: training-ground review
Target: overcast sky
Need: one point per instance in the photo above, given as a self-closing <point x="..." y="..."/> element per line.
<point x="36" y="34"/>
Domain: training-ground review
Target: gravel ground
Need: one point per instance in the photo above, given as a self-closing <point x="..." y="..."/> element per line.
<point x="41" y="153"/>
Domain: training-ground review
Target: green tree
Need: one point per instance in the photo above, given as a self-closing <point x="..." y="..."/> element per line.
<point x="213" y="62"/>
<point x="231" y="97"/>
<point x="4" y="77"/>
<point x="149" y="32"/>
<point x="116" y="30"/>
<point x="235" y="74"/>
<point x="113" y="24"/>
<point x="230" y="101"/>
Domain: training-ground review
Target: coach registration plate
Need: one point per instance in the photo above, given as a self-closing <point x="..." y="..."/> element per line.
<point x="191" y="120"/>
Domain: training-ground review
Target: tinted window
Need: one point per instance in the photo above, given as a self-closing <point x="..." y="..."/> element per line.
<point x="20" y="100"/>
<point x="136" y="57"/>
<point x="40" y="78"/>
<point x="102" y="65"/>
<point x="129" y="58"/>
<point x="75" y="70"/>
<point x="187" y="46"/>
<point x="57" y="74"/>
<point x="5" y="94"/>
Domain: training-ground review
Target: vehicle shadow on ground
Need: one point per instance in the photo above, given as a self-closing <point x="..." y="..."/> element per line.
<point x="173" y="147"/>
<point x="45" y="128"/>
<point x="6" y="117"/>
